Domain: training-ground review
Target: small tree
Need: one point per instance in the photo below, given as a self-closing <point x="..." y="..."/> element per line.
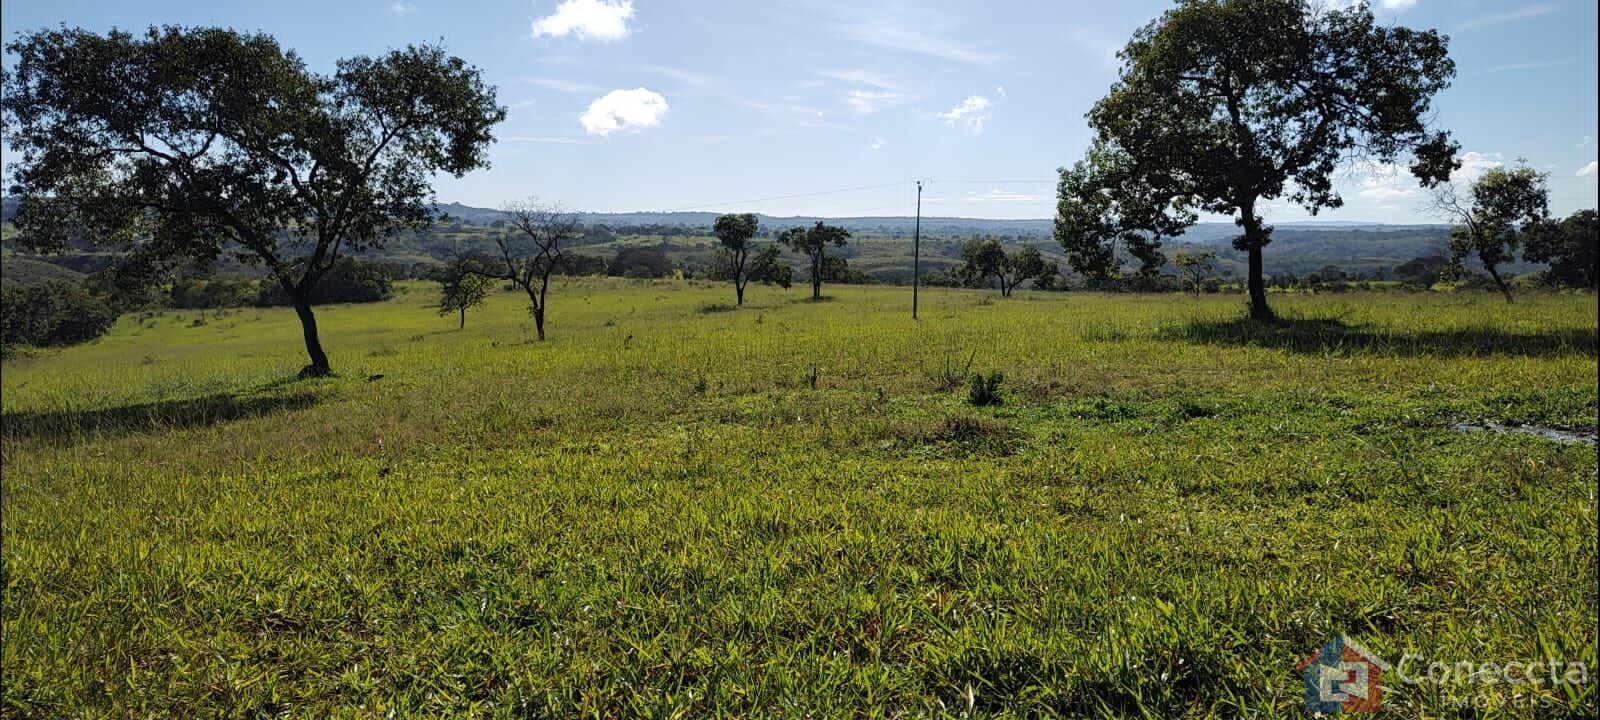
<point x="460" y="288"/>
<point x="187" y="143"/>
<point x="1504" y="203"/>
<point x="1194" y="268"/>
<point x="765" y="267"/>
<point x="1571" y="248"/>
<point x="984" y="259"/>
<point x="736" y="233"/>
<point x="813" y="242"/>
<point x="530" y="252"/>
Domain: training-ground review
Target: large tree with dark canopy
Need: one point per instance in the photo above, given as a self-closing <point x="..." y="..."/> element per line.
<point x="188" y="143"/>
<point x="1224" y="105"/>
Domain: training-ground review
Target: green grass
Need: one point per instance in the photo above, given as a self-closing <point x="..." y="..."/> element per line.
<point x="791" y="510"/>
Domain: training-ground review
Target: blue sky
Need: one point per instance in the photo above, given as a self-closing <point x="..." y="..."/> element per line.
<point x="834" y="108"/>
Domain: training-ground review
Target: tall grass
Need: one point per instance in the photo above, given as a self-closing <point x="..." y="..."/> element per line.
<point x="788" y="509"/>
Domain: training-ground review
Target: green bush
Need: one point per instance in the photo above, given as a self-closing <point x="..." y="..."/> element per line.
<point x="52" y="314"/>
<point x="348" y="281"/>
<point x="983" y="391"/>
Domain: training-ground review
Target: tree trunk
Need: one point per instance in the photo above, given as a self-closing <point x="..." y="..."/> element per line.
<point x="1504" y="289"/>
<point x="463" y="324"/>
<point x="738" y="289"/>
<point x="308" y="325"/>
<point x="538" y="323"/>
<point x="1258" y="287"/>
<point x="1255" y="237"/>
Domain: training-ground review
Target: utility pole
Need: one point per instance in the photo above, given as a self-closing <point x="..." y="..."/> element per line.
<point x="916" y="253"/>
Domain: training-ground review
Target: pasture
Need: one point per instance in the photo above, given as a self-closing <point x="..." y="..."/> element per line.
<point x="676" y="509"/>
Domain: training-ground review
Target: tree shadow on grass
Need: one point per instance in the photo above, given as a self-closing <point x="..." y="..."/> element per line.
<point x="67" y="426"/>
<point x="1324" y="336"/>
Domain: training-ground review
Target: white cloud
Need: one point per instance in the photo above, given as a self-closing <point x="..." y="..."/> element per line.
<point x="1000" y="90"/>
<point x="868" y="102"/>
<point x="1397" y="4"/>
<point x="1590" y="169"/>
<point x="624" y="110"/>
<point x="1382" y="182"/>
<point x="1474" y="165"/>
<point x="402" y="8"/>
<point x="878" y="143"/>
<point x="587" y="19"/>
<point x="1522" y="13"/>
<point x="972" y="112"/>
<point x="999" y="196"/>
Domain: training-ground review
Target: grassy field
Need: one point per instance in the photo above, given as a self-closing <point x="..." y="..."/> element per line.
<point x="671" y="509"/>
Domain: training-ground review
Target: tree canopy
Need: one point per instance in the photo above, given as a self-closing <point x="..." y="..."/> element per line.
<point x="813" y="242"/>
<point x="1222" y="105"/>
<point x="188" y="143"/>
<point x="1102" y="205"/>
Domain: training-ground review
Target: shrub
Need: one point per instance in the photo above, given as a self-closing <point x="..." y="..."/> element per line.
<point x="982" y="391"/>
<point x="52" y="314"/>
<point x="348" y="281"/>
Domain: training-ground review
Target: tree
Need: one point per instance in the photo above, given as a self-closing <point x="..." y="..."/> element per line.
<point x="813" y="242"/>
<point x="639" y="263"/>
<point x="1570" y="247"/>
<point x="530" y="253"/>
<point x="191" y="142"/>
<point x="1504" y="203"/>
<point x="1222" y="105"/>
<point x="765" y="267"/>
<point x="1194" y="268"/>
<point x="460" y="288"/>
<point x="984" y="259"/>
<point x="1102" y="204"/>
<point x="52" y="313"/>
<point x="736" y="233"/>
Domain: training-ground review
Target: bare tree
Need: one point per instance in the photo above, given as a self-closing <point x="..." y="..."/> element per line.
<point x="529" y="254"/>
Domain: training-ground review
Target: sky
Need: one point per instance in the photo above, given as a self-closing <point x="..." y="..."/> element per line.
<point x="812" y="107"/>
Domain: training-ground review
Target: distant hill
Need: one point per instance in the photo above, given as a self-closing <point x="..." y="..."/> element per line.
<point x="882" y="244"/>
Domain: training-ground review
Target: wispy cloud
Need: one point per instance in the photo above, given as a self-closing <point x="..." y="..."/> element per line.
<point x="624" y="111"/>
<point x="971" y="112"/>
<point x="402" y="8"/>
<point x="545" y="140"/>
<point x="1511" y="67"/>
<point x="565" y="86"/>
<point x="1522" y="13"/>
<point x="1590" y="169"/>
<point x="867" y="102"/>
<point x="998" y="196"/>
<point x="1397" y="4"/>
<point x="587" y="20"/>
<point x="878" y="143"/>
<point x="686" y="79"/>
<point x="858" y="77"/>
<point x="911" y="29"/>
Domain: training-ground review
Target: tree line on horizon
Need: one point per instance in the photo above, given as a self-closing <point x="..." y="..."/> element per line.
<point x="150" y="144"/>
